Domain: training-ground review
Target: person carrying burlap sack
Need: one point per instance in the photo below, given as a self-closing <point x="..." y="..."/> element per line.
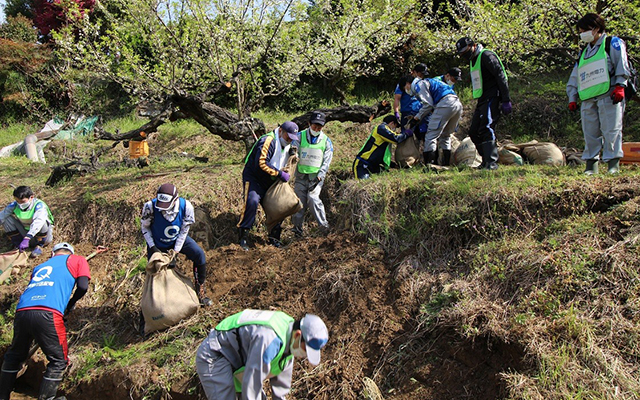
<point x="264" y="165"/>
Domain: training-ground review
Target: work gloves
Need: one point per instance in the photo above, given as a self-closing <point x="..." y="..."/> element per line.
<point x="506" y="108"/>
<point x="617" y="95"/>
<point x="314" y="184"/>
<point x="24" y="244"/>
<point x="397" y="114"/>
<point x="408" y="132"/>
<point x="573" y="106"/>
<point x="284" y="176"/>
<point x="154" y="249"/>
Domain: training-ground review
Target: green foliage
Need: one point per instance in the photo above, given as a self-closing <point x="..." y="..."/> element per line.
<point x="18" y="29"/>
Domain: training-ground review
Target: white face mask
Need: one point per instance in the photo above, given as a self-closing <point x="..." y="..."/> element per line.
<point x="408" y="91"/>
<point x="25" y="206"/>
<point x="314" y="133"/>
<point x="450" y="82"/>
<point x="297" y="352"/>
<point x="587" y="36"/>
<point x="283" y="142"/>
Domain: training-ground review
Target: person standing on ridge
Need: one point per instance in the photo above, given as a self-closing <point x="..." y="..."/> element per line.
<point x="262" y="166"/>
<point x="315" y="154"/>
<point x="491" y="88"/>
<point x="599" y="78"/>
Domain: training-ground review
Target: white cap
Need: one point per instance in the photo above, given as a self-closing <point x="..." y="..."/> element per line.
<point x="315" y="336"/>
<point x="63" y="246"/>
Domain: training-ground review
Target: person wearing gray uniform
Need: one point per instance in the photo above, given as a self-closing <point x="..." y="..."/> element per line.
<point x="252" y="346"/>
<point x="315" y="153"/>
<point x="27" y="221"/>
<point x="438" y="98"/>
<point x="598" y="79"/>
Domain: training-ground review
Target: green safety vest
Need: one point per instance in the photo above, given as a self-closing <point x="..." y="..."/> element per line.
<point x="276" y="320"/>
<point x="26" y="217"/>
<point x="386" y="159"/>
<point x="311" y="155"/>
<point x="272" y="134"/>
<point x="593" y="74"/>
<point x="476" y="74"/>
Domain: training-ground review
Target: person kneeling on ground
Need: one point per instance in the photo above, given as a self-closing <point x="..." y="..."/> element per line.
<point x="263" y="166"/>
<point x="27" y="221"/>
<point x="315" y="154"/>
<point x="165" y="225"/>
<point x="40" y="316"/>
<point x="375" y="156"/>
<point x="251" y="346"/>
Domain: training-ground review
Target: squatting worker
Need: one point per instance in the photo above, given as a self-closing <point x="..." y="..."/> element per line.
<point x="165" y="224"/>
<point x="490" y="87"/>
<point x="252" y="346"/>
<point x="27" y="221"/>
<point x="263" y="165"/>
<point x="315" y="153"/>
<point x="439" y="100"/>
<point x="375" y="155"/>
<point x="599" y="79"/>
<point x="39" y="317"/>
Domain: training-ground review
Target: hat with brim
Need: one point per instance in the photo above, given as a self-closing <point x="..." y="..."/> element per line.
<point x="291" y="128"/>
<point x="464" y="44"/>
<point x="455" y="73"/>
<point x="318" y="118"/>
<point x="167" y="195"/>
<point x="315" y="336"/>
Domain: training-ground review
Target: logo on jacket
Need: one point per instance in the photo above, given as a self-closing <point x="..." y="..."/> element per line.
<point x="171" y="232"/>
<point x="42" y="274"/>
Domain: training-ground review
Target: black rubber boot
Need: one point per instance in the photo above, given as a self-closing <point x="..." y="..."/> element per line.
<point x="48" y="389"/>
<point x="7" y="381"/>
<point x="592" y="167"/>
<point x="429" y="157"/>
<point x="613" y="166"/>
<point x="490" y="155"/>
<point x="274" y="237"/>
<point x="204" y="300"/>
<point x="243" y="239"/>
<point x="446" y="158"/>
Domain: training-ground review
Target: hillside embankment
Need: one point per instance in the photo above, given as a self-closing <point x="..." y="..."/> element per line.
<point x="518" y="284"/>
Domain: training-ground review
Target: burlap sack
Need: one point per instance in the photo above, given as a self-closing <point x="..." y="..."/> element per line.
<point x="543" y="154"/>
<point x="455" y="143"/>
<point x="407" y="153"/>
<point x="509" y="157"/>
<point x="281" y="201"/>
<point x="167" y="294"/>
<point x="466" y="154"/>
<point x="10" y="260"/>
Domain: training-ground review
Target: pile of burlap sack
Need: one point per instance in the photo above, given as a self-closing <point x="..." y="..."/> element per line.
<point x="464" y="152"/>
<point x="11" y="262"/>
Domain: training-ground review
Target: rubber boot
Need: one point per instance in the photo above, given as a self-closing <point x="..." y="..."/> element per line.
<point x="15" y="237"/>
<point x="490" y="155"/>
<point x="446" y="158"/>
<point x="204" y="300"/>
<point x="481" y="153"/>
<point x="429" y="157"/>
<point x="614" y="166"/>
<point x="274" y="237"/>
<point x="243" y="239"/>
<point x="592" y="167"/>
<point x="48" y="389"/>
<point x="7" y="381"/>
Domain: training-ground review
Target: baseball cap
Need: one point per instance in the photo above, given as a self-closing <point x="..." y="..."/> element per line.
<point x="167" y="194"/>
<point x="315" y="335"/>
<point x="456" y="73"/>
<point x="63" y="246"/>
<point x="422" y="68"/>
<point x="463" y="44"/>
<point x="318" y="118"/>
<point x="291" y="128"/>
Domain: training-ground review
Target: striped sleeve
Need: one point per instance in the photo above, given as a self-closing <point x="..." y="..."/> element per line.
<point x="266" y="152"/>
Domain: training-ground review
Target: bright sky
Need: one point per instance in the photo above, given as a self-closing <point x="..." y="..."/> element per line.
<point x="1" y="11"/>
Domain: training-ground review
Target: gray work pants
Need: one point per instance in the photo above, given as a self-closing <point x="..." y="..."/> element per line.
<point x="602" y="128"/>
<point x="215" y="373"/>
<point x="443" y="123"/>
<point x="13" y="224"/>
<point x="310" y="198"/>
